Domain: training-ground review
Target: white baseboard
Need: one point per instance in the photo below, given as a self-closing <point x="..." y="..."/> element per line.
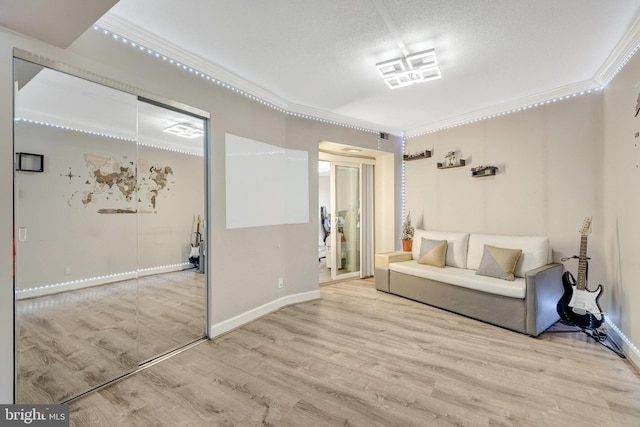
<point x="56" y="288"/>
<point x="251" y="315"/>
<point x="630" y="350"/>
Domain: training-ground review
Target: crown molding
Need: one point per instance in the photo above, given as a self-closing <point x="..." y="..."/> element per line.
<point x="620" y="54"/>
<point x="533" y="101"/>
<point x="625" y="48"/>
<point x="329" y="117"/>
<point x="127" y="30"/>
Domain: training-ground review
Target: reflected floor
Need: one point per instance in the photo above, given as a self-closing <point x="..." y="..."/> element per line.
<point x="70" y="342"/>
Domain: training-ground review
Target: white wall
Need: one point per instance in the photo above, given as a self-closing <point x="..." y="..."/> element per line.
<point x="621" y="199"/>
<point x="244" y="264"/>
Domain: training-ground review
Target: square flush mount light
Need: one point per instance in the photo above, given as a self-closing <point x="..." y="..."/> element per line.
<point x="184" y="130"/>
<point x="415" y="68"/>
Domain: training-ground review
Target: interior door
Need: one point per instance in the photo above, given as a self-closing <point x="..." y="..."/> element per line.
<point x="171" y="181"/>
<point x="110" y="215"/>
<point x="75" y="229"/>
<point x="345" y="236"/>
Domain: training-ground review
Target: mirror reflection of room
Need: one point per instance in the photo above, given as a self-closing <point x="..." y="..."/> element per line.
<point x="324" y="235"/>
<point x="104" y="234"/>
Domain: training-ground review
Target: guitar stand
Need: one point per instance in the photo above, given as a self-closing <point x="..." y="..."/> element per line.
<point x="596" y="335"/>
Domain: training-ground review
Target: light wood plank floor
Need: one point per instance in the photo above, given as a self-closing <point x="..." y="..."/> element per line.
<point x="359" y="357"/>
<point x="70" y="342"/>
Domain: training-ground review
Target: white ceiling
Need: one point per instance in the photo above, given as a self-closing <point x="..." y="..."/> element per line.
<point x="318" y="57"/>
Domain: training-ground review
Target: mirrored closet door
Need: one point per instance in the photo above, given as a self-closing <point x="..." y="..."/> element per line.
<point x="109" y="208"/>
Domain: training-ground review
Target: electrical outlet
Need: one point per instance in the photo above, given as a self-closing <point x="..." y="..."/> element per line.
<point x="67" y="271"/>
<point x="281" y="283"/>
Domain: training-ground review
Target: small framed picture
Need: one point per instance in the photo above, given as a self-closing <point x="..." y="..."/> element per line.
<point x="29" y="162"/>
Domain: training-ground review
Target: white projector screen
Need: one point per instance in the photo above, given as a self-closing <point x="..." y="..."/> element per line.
<point x="266" y="184"/>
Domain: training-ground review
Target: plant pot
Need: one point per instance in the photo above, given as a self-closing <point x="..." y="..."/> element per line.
<point x="406" y="245"/>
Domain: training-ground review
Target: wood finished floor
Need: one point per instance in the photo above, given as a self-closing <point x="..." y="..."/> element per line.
<point x="71" y="342"/>
<point x="359" y="357"/>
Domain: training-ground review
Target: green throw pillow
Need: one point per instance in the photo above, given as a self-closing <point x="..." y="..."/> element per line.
<point x="499" y="262"/>
<point x="433" y="252"/>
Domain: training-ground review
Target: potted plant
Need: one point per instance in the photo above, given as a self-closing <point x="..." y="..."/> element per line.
<point x="407" y="233"/>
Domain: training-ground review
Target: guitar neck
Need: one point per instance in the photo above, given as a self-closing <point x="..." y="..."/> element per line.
<point x="581" y="281"/>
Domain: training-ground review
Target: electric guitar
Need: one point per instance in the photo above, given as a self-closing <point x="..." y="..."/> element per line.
<point x="194" y="255"/>
<point x="578" y="304"/>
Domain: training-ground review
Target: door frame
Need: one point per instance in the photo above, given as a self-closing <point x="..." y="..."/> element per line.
<point x="352" y="161"/>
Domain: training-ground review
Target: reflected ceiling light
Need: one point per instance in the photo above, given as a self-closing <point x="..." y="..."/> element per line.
<point x="351" y="150"/>
<point x="185" y="130"/>
<point x="418" y="67"/>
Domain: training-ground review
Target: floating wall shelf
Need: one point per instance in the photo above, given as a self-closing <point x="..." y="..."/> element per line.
<point x="417" y="156"/>
<point x="460" y="163"/>
<point x="483" y="171"/>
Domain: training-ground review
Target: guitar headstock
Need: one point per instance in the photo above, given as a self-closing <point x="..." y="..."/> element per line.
<point x="585" y="230"/>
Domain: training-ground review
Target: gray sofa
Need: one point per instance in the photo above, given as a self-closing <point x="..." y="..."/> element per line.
<point x="526" y="304"/>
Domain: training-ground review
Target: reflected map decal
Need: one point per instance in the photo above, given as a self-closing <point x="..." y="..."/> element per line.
<point x="112" y="185"/>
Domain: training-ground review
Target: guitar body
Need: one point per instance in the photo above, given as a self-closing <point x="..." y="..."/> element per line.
<point x="579" y="306"/>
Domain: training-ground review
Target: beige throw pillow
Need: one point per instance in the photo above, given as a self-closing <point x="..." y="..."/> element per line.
<point x="499" y="262"/>
<point x="433" y="252"/>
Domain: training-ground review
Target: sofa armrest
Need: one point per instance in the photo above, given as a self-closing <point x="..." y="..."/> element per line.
<point x="544" y="290"/>
<point x="382" y="261"/>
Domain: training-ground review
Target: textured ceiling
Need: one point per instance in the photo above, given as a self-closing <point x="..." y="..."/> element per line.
<point x="319" y="57"/>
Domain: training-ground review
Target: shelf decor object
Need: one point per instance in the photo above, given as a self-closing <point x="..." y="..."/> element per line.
<point x="416" y="156"/>
<point x="451" y="161"/>
<point x="481" y="171"/>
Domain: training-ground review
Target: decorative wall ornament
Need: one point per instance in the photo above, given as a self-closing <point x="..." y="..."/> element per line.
<point x="419" y="155"/>
<point x="483" y="171"/>
<point x="451" y="161"/>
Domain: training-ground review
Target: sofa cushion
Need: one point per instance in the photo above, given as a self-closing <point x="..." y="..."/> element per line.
<point x="456" y="245"/>
<point x="498" y="262"/>
<point x="462" y="277"/>
<point x="536" y="251"/>
<point x="433" y="252"/>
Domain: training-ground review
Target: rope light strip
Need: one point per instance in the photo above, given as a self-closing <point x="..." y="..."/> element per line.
<point x="220" y="83"/>
<point x="104" y="135"/>
<point x="513" y="110"/>
<point x="103" y="277"/>
<point x="88" y="132"/>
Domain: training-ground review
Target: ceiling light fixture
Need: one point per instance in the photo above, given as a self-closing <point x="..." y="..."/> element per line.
<point x="418" y="67"/>
<point x="185" y="130"/>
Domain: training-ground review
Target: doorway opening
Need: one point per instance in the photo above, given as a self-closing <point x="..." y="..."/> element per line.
<point x="348" y="185"/>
